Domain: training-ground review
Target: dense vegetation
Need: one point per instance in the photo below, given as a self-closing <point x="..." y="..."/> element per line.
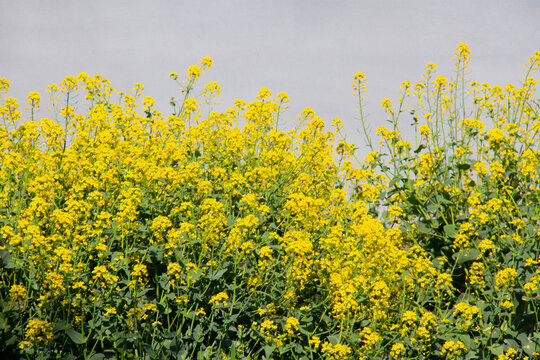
<point x="126" y="234"/>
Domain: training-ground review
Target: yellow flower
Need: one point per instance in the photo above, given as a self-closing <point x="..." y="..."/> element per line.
<point x="476" y="272"/>
<point x="440" y="82"/>
<point x="38" y="332"/>
<point x="359" y="82"/>
<point x="239" y="103"/>
<point x="291" y="325"/>
<point x="69" y="83"/>
<point x="495" y="137"/>
<point x="83" y="76"/>
<point x="370" y="337"/>
<point x="139" y="270"/>
<point x="33" y="99"/>
<point x="444" y="281"/>
<point x="268" y="327"/>
<point x="200" y="311"/>
<point x="424" y="130"/>
<point x="219" y="298"/>
<point x="150" y="307"/>
<point x="307" y="112"/>
<point x="264" y="93"/>
<point x="337" y="351"/>
<point x="505" y="277"/>
<point x="422" y="334"/>
<point x="510" y="354"/>
<point x="386" y="104"/>
<point x="212" y="88"/>
<point x="431" y="66"/>
<point x="466" y="315"/>
<point x="194" y="72"/>
<point x="371" y="157"/>
<point x="4" y="85"/>
<point x="398" y="351"/>
<point x="315" y="341"/>
<point x="506" y="304"/>
<point x="463" y="53"/>
<point x="174" y="270"/>
<point x="17" y="293"/>
<point x="110" y="311"/>
<point x="409" y="317"/>
<point x="485" y="245"/>
<point x="429" y="320"/>
<point x="161" y="224"/>
<point x="395" y="211"/>
<point x="282" y="97"/>
<point x="148" y="101"/>
<point x="206" y="62"/>
<point x="266" y="252"/>
<point x="451" y="350"/>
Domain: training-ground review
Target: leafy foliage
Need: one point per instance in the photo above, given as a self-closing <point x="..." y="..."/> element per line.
<point x="124" y="234"/>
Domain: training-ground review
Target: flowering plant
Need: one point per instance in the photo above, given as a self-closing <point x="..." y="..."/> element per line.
<point x="127" y="234"/>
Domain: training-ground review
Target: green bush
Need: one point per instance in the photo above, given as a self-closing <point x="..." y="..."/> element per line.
<point x="126" y="234"/>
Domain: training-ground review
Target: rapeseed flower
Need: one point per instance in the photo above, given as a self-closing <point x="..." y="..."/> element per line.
<point x="398" y="351"/>
<point x="38" y="333"/>
<point x="453" y="349"/>
<point x="505" y="277"/>
<point x="193" y="72"/>
<point x="133" y="219"/>
<point x="219" y="298"/>
<point x="206" y="62"/>
<point x="33" y="99"/>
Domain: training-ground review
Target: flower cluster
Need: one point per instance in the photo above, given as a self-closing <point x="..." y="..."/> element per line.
<point x="128" y="234"/>
<point x="466" y="191"/>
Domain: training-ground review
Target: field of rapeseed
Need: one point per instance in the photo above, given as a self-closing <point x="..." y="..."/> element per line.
<point x="127" y="234"/>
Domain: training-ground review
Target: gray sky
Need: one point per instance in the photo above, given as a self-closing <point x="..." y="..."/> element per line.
<point x="307" y="48"/>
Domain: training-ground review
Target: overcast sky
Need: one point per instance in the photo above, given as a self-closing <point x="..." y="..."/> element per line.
<point x="307" y="48"/>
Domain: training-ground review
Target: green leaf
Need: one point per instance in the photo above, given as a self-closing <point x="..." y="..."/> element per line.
<point x="97" y="356"/>
<point x="231" y="220"/>
<point x="75" y="336"/>
<point x="465" y="255"/>
<point x="69" y="357"/>
<point x="164" y="282"/>
<point x="412" y="200"/>
<point x="197" y="333"/>
<point x="59" y="326"/>
<point x="421" y="226"/>
<point x="420" y="148"/>
<point x="466" y="339"/>
<point x="195" y="274"/>
<point x="334" y="339"/>
<point x="394" y="181"/>
<point x="12" y="340"/>
<point x="219" y="274"/>
<point x="512" y="343"/>
<point x="512" y="333"/>
<point x="268" y="350"/>
<point x="496" y="349"/>
<point x="496" y="333"/>
<point x="5" y="259"/>
<point x="451" y="230"/>
<point x="526" y="344"/>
